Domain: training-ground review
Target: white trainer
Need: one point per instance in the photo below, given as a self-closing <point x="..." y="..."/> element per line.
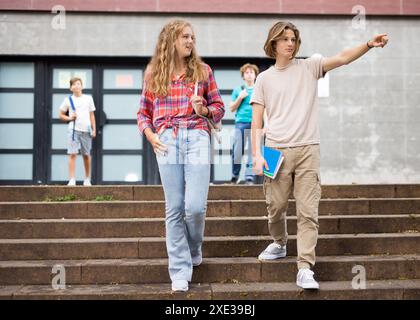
<point x="272" y="252"/>
<point x="86" y="182"/>
<point x="72" y="182"/>
<point x="305" y="279"/>
<point x="180" y="285"/>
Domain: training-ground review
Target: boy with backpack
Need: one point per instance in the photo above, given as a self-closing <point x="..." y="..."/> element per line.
<point x="81" y="129"/>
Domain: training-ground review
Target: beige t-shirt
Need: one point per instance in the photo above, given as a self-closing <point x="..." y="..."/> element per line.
<point x="289" y="96"/>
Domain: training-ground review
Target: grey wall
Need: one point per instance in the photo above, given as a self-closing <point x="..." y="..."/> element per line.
<point x="370" y="123"/>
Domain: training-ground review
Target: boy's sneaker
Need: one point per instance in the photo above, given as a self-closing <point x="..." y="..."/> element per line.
<point x="272" y="252"/>
<point x="197" y="260"/>
<point x="86" y="182"/>
<point x="249" y="182"/>
<point x="72" y="182"/>
<point x="234" y="180"/>
<point x="180" y="285"/>
<point x="305" y="279"/>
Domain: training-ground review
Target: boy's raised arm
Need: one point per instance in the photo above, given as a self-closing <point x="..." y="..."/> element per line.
<point x="349" y="55"/>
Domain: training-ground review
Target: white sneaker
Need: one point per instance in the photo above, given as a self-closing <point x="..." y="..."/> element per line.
<point x="72" y="182"/>
<point x="86" y="182"/>
<point x="272" y="252"/>
<point x="197" y="260"/>
<point x="180" y="285"/>
<point x="305" y="279"/>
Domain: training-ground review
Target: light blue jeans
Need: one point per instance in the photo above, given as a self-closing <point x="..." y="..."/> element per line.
<point x="185" y="176"/>
<point x="242" y="135"/>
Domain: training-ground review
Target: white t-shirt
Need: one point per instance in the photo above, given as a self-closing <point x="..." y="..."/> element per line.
<point x="289" y="96"/>
<point x="83" y="105"/>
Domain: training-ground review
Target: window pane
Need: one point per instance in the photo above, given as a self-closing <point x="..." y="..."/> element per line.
<point x="60" y="168"/>
<point x="59" y="136"/>
<point x="222" y="167"/>
<point x="127" y="168"/>
<point x="16" y="166"/>
<point x="16" y="135"/>
<point x="16" y="105"/>
<point x="121" y="106"/>
<point x="122" y="137"/>
<point x="61" y="77"/>
<point x="228" y="79"/>
<point x="226" y="135"/>
<point x="123" y="79"/>
<point x="16" y="75"/>
<point x="229" y="115"/>
<point x="57" y="100"/>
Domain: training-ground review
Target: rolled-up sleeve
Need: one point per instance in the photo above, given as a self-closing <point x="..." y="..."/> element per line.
<point x="145" y="113"/>
<point x="214" y="100"/>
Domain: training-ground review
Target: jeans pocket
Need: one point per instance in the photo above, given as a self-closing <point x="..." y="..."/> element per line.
<point x="203" y="132"/>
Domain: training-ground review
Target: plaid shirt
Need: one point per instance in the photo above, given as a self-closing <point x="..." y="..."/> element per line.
<point x="175" y="110"/>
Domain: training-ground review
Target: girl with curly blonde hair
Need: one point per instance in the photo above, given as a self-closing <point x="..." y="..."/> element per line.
<point x="179" y="98"/>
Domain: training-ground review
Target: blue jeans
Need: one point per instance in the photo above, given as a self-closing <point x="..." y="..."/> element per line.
<point x="242" y="135"/>
<point x="185" y="175"/>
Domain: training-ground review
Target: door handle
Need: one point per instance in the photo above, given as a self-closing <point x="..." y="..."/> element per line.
<point x="102" y="120"/>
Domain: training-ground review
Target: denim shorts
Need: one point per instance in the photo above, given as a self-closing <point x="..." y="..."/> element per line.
<point x="82" y="141"/>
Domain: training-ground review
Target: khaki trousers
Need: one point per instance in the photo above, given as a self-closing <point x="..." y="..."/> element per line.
<point x="299" y="172"/>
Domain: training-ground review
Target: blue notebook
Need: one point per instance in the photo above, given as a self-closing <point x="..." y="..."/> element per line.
<point x="274" y="159"/>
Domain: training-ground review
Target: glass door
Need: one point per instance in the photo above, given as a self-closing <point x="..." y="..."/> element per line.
<point x="121" y="156"/>
<point x="17" y="110"/>
<point x="58" y="158"/>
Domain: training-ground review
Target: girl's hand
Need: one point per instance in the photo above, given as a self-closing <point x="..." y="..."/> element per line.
<point x="197" y="104"/>
<point x="158" y="147"/>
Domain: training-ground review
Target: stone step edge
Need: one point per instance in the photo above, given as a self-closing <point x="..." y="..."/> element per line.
<point x="212" y="291"/>
<point x="211" y="238"/>
<point x="212" y="218"/>
<point x="215" y="261"/>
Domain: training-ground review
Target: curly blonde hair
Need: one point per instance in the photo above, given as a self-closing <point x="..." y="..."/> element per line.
<point x="162" y="65"/>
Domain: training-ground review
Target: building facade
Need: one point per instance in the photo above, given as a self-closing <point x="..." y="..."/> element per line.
<point x="369" y="110"/>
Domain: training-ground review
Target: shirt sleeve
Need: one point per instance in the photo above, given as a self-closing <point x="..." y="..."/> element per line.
<point x="145" y="113"/>
<point x="315" y="65"/>
<point x="235" y="94"/>
<point x="258" y="94"/>
<point x="65" y="105"/>
<point x="214" y="100"/>
<point x="91" y="104"/>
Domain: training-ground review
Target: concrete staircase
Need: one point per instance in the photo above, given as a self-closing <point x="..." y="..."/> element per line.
<point x="110" y="240"/>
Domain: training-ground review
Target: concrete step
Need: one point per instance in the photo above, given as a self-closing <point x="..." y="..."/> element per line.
<point x="231" y="246"/>
<point x="380" y="289"/>
<point x="219" y="208"/>
<point x="223" y="270"/>
<point x="215" y="226"/>
<point x="216" y="192"/>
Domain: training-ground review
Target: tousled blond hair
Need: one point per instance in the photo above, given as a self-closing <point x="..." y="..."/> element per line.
<point x="249" y="66"/>
<point x="74" y="79"/>
<point x="275" y="34"/>
<point x="162" y="65"/>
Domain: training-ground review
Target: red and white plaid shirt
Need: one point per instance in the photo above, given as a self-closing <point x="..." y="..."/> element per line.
<point x="175" y="110"/>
